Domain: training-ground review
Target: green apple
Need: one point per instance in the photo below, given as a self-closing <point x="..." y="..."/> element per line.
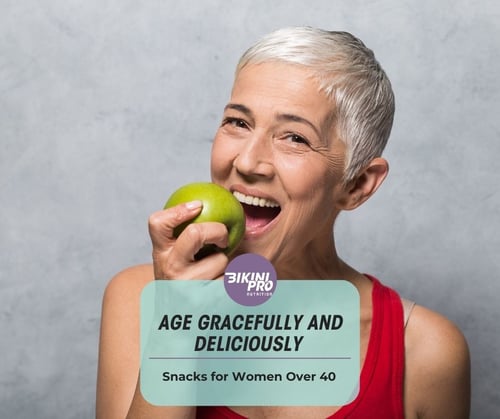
<point x="219" y="205"/>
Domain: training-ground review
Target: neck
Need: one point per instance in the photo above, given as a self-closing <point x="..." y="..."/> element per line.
<point x="316" y="260"/>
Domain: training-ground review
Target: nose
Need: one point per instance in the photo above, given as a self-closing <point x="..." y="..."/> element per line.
<point x="254" y="160"/>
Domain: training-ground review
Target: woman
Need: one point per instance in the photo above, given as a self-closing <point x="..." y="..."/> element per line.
<point x="309" y="116"/>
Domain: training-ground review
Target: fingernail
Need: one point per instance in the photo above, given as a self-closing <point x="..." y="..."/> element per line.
<point x="194" y="204"/>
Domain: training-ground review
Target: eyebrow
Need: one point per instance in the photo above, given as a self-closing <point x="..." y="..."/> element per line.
<point x="281" y="117"/>
<point x="241" y="108"/>
<point x="299" y="119"/>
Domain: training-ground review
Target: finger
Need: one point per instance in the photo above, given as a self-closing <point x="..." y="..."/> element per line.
<point x="210" y="267"/>
<point x="161" y="224"/>
<point x="196" y="236"/>
<point x="177" y="261"/>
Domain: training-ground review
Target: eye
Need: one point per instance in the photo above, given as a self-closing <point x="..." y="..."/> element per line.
<point x="297" y="139"/>
<point x="235" y="122"/>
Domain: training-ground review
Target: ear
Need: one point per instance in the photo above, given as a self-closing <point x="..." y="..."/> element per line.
<point x="365" y="184"/>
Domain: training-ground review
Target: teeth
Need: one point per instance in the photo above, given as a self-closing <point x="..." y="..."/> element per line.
<point x="253" y="200"/>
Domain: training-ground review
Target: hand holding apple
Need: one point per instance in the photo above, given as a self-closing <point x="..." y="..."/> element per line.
<point x="219" y="205"/>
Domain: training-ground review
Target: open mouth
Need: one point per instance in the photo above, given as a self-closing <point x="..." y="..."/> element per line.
<point x="259" y="212"/>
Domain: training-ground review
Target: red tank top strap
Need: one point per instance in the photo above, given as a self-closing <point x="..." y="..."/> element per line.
<point x="381" y="381"/>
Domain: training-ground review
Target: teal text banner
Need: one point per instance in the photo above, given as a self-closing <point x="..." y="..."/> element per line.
<point x="299" y="348"/>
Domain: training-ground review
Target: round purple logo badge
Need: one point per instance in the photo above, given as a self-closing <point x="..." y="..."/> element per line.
<point x="250" y="279"/>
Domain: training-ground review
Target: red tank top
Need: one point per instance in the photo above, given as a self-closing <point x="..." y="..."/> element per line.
<point x="381" y="381"/>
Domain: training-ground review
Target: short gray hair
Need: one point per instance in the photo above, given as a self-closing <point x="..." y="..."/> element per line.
<point x="349" y="75"/>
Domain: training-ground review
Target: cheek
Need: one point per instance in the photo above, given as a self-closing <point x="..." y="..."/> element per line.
<point x="312" y="187"/>
<point x="220" y="159"/>
<point x="305" y="177"/>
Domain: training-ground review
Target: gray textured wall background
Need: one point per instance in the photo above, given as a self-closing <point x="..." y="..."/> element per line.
<point x="107" y="106"/>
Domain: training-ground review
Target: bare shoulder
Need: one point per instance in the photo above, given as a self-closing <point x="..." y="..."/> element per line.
<point x="121" y="307"/>
<point x="130" y="281"/>
<point x="439" y="333"/>
<point x="118" y="365"/>
<point x="121" y="300"/>
<point x="437" y="382"/>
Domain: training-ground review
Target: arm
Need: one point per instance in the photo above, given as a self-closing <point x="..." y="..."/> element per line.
<point x="437" y="382"/>
<point x="118" y="393"/>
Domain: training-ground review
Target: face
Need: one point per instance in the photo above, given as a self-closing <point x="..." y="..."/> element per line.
<point x="277" y="151"/>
